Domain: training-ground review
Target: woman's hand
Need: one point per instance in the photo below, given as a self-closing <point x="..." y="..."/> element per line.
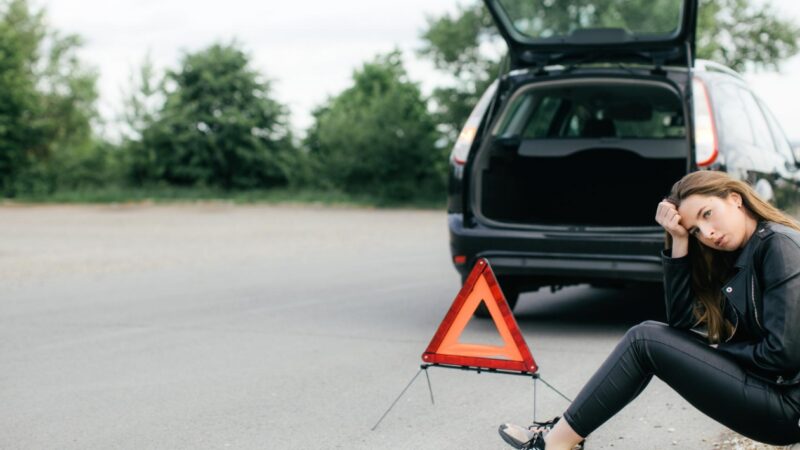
<point x="667" y="216"/>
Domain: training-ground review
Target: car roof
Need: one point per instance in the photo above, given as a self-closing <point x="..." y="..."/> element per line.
<point x="711" y="67"/>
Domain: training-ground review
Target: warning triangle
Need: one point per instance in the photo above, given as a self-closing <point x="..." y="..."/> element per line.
<point x="445" y="348"/>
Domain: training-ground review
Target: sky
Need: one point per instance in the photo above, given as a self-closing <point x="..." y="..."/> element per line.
<point x="309" y="49"/>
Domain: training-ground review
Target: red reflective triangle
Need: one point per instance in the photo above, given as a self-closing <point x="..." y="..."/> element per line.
<point x="445" y="348"/>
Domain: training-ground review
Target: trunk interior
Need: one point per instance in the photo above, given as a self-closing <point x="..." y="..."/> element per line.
<point x="589" y="153"/>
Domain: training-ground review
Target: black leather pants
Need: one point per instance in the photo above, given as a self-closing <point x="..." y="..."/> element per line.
<point x="709" y="380"/>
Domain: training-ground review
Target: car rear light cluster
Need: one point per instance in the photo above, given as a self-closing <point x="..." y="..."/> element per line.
<point x="705" y="135"/>
<point x="463" y="144"/>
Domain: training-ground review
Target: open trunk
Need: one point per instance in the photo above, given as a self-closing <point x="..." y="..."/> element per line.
<point x="587" y="153"/>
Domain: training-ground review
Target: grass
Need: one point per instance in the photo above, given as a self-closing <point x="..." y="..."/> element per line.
<point x="170" y="194"/>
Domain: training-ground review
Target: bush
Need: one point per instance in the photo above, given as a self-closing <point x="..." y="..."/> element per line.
<point x="377" y="137"/>
<point x="47" y="101"/>
<point x="218" y="127"/>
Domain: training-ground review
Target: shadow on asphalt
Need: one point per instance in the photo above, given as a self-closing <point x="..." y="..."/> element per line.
<point x="590" y="309"/>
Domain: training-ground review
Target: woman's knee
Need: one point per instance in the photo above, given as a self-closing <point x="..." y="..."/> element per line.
<point x="649" y="329"/>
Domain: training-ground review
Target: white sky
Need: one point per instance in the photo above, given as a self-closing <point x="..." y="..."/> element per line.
<point x="308" y="48"/>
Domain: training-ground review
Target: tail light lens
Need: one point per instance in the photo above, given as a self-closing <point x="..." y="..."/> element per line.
<point x="460" y="151"/>
<point x="705" y="135"/>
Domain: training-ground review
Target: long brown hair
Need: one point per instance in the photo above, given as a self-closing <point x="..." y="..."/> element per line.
<point x="712" y="268"/>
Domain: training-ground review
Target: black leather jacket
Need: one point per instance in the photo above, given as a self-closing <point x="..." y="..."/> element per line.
<point x="763" y="303"/>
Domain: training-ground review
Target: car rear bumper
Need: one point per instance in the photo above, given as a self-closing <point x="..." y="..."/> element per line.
<point x="550" y="256"/>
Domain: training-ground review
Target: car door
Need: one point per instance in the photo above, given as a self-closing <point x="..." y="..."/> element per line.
<point x="743" y="157"/>
<point x="782" y="145"/>
<point x="786" y="186"/>
<point x="762" y="136"/>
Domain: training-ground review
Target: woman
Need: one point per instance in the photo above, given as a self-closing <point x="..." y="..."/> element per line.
<point x="731" y="272"/>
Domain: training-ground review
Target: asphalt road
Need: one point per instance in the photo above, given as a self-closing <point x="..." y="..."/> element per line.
<point x="220" y="326"/>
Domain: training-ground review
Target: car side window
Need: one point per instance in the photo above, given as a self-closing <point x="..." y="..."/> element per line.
<point x="733" y="117"/>
<point x="513" y="121"/>
<point x="762" y="137"/>
<point x="781" y="143"/>
<point x="542" y="119"/>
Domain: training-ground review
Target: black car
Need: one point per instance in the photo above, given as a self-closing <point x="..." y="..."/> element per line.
<point x="556" y="176"/>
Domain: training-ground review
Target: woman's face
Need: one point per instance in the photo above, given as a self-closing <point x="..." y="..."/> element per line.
<point x="719" y="223"/>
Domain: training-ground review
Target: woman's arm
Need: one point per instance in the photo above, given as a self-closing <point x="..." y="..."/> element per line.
<point x="678" y="294"/>
<point x="677" y="270"/>
<point x="779" y="351"/>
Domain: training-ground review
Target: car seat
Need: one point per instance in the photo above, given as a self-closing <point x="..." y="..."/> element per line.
<point x="595" y="128"/>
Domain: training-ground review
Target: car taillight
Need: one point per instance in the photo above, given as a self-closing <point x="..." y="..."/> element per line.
<point x="460" y="151"/>
<point x="705" y="136"/>
<point x="464" y="143"/>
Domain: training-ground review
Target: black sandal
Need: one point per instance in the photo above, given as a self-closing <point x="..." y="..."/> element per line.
<point x="528" y="439"/>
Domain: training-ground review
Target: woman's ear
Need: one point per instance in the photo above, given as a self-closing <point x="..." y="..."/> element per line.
<point x="736" y="199"/>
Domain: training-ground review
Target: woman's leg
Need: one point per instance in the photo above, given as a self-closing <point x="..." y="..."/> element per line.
<point x="709" y="380"/>
<point x="562" y="437"/>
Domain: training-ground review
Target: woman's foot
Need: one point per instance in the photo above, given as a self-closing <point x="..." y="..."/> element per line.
<point x="530" y="438"/>
<point x="520" y="437"/>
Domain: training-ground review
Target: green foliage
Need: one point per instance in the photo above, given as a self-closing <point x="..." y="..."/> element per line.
<point x="743" y="34"/>
<point x="141" y="109"/>
<point x="20" y="34"/>
<point x="96" y="164"/>
<point x="453" y="43"/>
<point x="159" y="193"/>
<point x="143" y="101"/>
<point x="378" y="137"/>
<point x="218" y="125"/>
<point x="47" y="101"/>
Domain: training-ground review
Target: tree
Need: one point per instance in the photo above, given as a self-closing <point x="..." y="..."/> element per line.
<point x="20" y="34"/>
<point x="218" y="125"/>
<point x="141" y="107"/>
<point x="738" y="33"/>
<point x="47" y="100"/>
<point x="143" y="101"/>
<point x="745" y="35"/>
<point x="377" y="136"/>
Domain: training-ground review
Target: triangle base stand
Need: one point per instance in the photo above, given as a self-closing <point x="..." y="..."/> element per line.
<point x="424" y="367"/>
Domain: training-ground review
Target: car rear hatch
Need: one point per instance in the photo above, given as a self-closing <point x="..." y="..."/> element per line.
<point x="594" y="146"/>
<point x="589" y="152"/>
<point x="545" y="32"/>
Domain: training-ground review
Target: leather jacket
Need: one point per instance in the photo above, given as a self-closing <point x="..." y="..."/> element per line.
<point x="762" y="301"/>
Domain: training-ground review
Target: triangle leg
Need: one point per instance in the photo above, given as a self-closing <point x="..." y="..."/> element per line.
<point x="430" y="389"/>
<point x="534" y="399"/>
<point x="397" y="399"/>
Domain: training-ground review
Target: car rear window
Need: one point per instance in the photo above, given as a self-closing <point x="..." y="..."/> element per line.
<point x="567" y="21"/>
<point x="595" y="111"/>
